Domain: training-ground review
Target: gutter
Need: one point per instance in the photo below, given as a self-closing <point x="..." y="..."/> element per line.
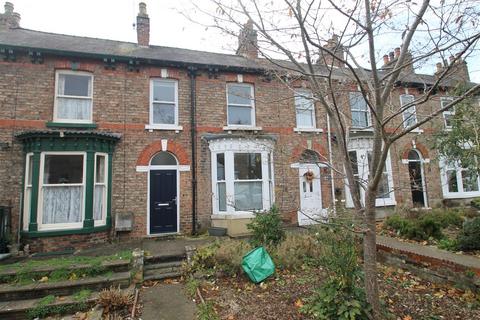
<point x="192" y="72"/>
<point x="332" y="181"/>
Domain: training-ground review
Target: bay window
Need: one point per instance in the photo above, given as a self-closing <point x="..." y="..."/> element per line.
<point x="458" y="182"/>
<point x="67" y="181"/>
<point x="73" y="97"/>
<point x="361" y="158"/>
<point x="242" y="178"/>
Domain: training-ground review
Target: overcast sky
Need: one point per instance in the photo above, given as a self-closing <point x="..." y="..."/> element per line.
<point x="114" y="19"/>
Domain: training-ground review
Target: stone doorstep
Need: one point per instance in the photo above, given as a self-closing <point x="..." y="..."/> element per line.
<point x="114" y="265"/>
<point x="160" y="258"/>
<point x="164" y="265"/>
<point x="12" y="292"/>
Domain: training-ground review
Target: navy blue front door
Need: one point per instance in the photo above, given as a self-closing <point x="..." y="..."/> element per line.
<point x="163" y="201"/>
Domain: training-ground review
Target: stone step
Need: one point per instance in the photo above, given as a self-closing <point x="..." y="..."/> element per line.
<point x="10" y="292"/>
<point x="169" y="257"/>
<point x="19" y="309"/>
<point x="8" y="274"/>
<point x="164" y="265"/>
<point x="151" y="276"/>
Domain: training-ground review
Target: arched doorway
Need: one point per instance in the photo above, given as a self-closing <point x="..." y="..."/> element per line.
<point x="417" y="178"/>
<point x="163" y="187"/>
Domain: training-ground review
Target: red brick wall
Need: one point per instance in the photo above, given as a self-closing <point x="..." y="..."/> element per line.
<point x="121" y="105"/>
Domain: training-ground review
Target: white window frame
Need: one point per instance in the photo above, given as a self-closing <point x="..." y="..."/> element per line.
<point x="60" y="226"/>
<point x="229" y="148"/>
<point x="446" y="113"/>
<point x="102" y="221"/>
<point x="55" y="104"/>
<point x="412" y="107"/>
<point x="362" y="148"/>
<point x="27" y="192"/>
<point x="444" y="167"/>
<point x="367" y="111"/>
<point x="163" y="126"/>
<point x="307" y="94"/>
<point x="251" y="105"/>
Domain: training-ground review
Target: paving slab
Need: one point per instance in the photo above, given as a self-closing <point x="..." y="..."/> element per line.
<point x="167" y="302"/>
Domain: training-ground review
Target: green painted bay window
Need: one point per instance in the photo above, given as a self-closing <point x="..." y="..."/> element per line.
<point x="67" y="183"/>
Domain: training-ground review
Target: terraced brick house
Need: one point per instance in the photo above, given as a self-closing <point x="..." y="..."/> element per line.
<point x="103" y="139"/>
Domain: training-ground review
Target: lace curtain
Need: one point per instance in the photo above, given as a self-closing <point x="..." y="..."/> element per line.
<point x="73" y="108"/>
<point x="62" y="204"/>
<point x="98" y="202"/>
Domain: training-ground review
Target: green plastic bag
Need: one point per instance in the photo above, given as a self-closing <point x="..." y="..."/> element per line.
<point x="258" y="265"/>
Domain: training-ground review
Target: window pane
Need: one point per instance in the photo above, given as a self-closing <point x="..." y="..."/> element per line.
<point x="448" y="119"/>
<point x="74" y="108"/>
<point x="353" y="161"/>
<point x="248" y="196"/>
<point x="305" y="118"/>
<point x="222" y="196"/>
<point x="383" y="191"/>
<point x="163" y="113"/>
<point x="239" y="115"/>
<point x="410" y="117"/>
<point x="98" y="203"/>
<point x="248" y="166"/>
<point x="29" y="170"/>
<point x="63" y="169"/>
<point x="74" y="85"/>
<point x="163" y="159"/>
<point x="220" y="166"/>
<point x="359" y="119"/>
<point x="62" y="204"/>
<point x="100" y="169"/>
<point x="452" y="181"/>
<point x="470" y="181"/>
<point x="239" y="94"/>
<point x="164" y="91"/>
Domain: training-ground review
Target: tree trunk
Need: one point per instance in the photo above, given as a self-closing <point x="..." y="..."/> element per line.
<point x="370" y="258"/>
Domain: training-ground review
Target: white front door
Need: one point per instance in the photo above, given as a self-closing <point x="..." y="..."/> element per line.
<point x="311" y="211"/>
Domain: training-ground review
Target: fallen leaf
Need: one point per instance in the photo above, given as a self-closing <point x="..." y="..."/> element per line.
<point x="298" y="303"/>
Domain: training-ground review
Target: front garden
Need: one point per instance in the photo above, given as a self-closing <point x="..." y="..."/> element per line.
<point x="318" y="276"/>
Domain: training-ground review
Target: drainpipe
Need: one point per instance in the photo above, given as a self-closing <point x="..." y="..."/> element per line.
<point x="192" y="72"/>
<point x="329" y="136"/>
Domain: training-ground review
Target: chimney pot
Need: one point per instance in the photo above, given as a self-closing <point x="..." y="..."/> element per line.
<point x="451" y="58"/>
<point x="385" y="60"/>
<point x="392" y="56"/>
<point x="397" y="52"/>
<point x="439" y="66"/>
<point x="8" y="8"/>
<point x="143" y="25"/>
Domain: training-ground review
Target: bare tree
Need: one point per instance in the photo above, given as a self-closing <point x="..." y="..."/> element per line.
<point x="334" y="44"/>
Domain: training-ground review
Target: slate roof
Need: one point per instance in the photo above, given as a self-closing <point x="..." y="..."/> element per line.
<point x="25" y="39"/>
<point x="52" y="42"/>
<point x="67" y="133"/>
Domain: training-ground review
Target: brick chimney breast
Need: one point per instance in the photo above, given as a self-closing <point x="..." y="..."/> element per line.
<point x="143" y="26"/>
<point x="9" y="19"/>
<point x="247" y="41"/>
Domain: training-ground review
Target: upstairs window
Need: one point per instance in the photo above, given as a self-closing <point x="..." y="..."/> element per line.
<point x="73" y="98"/>
<point x="409" y="114"/>
<point x="240" y="104"/>
<point x="359" y="110"/>
<point x="304" y="109"/>
<point x="448" y="114"/>
<point x="164" y="102"/>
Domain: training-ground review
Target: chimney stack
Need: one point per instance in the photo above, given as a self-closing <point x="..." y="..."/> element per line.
<point x="247" y="41"/>
<point x="334" y="46"/>
<point x="397" y="52"/>
<point x="386" y="60"/>
<point x="143" y="26"/>
<point x="9" y="19"/>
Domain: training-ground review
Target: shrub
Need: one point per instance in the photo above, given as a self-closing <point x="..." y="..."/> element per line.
<point x="266" y="228"/>
<point x="115" y="299"/>
<point x="469" y="237"/>
<point x="448" y="244"/>
<point x="228" y="255"/>
<point x="341" y="296"/>
<point x="475" y="203"/>
<point x="423" y="228"/>
<point x="296" y="250"/>
<point x="446" y="217"/>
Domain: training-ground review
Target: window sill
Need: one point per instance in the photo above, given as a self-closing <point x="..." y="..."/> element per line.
<point x="314" y="130"/>
<point x="233" y="216"/>
<point x="52" y="124"/>
<point x="52" y="233"/>
<point x="416" y="130"/>
<point x="242" y="128"/>
<point x="151" y="127"/>
<point x="367" y="129"/>
<point x="461" y="195"/>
